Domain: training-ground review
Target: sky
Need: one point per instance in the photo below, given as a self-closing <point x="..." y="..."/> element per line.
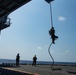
<point x="28" y="33"/>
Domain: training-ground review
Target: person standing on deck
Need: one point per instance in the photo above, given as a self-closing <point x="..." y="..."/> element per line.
<point x="17" y="59"/>
<point x="34" y="60"/>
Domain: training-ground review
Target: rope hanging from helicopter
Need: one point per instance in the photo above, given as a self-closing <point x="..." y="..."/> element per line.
<point x="51" y="15"/>
<point x="52" y="34"/>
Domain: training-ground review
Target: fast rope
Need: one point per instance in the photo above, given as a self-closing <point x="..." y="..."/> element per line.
<point x="51" y="43"/>
<point x="51" y="15"/>
<point x="51" y="55"/>
<point x="52" y="34"/>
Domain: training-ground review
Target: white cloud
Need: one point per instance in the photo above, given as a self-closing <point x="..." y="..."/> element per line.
<point x="61" y="18"/>
<point x="39" y="48"/>
<point x="66" y="51"/>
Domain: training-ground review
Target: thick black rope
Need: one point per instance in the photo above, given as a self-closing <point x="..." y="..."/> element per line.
<point x="51" y="15"/>
<point x="51" y="43"/>
<point x="51" y="55"/>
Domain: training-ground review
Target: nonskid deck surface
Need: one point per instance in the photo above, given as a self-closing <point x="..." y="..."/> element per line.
<point x="39" y="70"/>
<point x="9" y="71"/>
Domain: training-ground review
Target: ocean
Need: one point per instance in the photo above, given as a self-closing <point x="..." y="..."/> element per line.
<point x="38" y="62"/>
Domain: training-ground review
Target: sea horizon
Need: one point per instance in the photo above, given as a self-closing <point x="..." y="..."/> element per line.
<point x="38" y="62"/>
